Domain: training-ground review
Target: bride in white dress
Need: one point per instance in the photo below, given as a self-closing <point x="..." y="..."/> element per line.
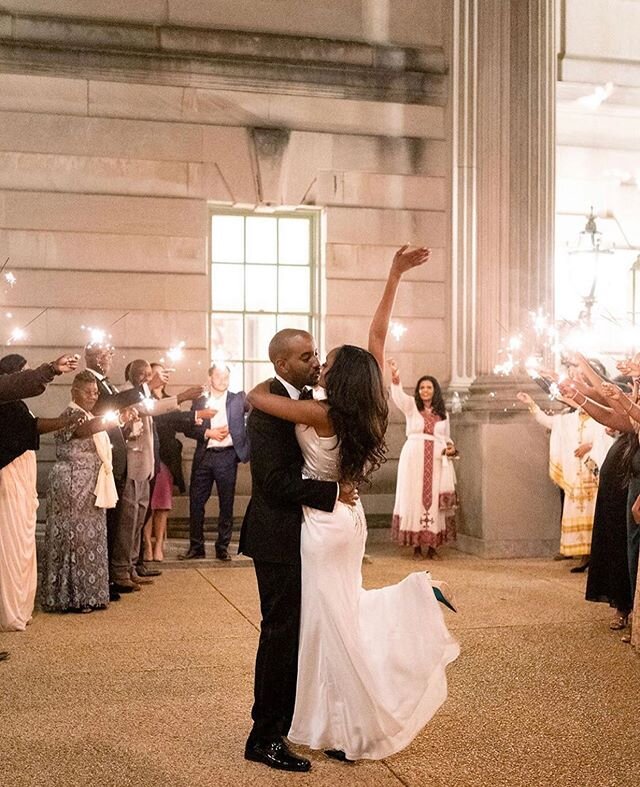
<point x="371" y="663"/>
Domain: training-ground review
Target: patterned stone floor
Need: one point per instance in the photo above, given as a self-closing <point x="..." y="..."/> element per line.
<point x="157" y="689"/>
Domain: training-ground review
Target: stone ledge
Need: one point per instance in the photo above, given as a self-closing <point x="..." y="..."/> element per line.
<point x="220" y="58"/>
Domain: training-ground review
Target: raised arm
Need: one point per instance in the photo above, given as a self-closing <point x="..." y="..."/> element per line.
<point x="405" y="403"/>
<point x="544" y="419"/>
<point x="403" y="261"/>
<point x="603" y="415"/>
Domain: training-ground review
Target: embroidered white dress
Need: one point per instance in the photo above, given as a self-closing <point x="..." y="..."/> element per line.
<point x="418" y="517"/>
<point x="371" y="665"/>
<point x="572" y="474"/>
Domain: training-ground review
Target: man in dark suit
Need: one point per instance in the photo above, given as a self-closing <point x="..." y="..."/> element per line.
<point x="222" y="444"/>
<point x="99" y="359"/>
<point x="271" y="536"/>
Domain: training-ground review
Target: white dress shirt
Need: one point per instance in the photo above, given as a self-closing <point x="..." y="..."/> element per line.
<point x="219" y="403"/>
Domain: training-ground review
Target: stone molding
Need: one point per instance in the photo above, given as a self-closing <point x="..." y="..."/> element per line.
<point x="222" y="59"/>
<point x="464" y="262"/>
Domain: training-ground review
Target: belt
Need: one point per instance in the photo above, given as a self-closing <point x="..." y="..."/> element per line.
<point x="217" y="450"/>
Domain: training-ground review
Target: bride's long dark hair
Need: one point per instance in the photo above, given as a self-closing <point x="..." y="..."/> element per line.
<point x="359" y="412"/>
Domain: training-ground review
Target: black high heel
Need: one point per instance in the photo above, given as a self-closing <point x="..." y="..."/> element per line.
<point x="442" y="592"/>
<point x="337" y="754"/>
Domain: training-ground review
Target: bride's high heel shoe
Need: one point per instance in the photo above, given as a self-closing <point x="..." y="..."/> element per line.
<point x="442" y="592"/>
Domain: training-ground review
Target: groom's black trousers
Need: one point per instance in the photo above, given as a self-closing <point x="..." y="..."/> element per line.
<point x="279" y="586"/>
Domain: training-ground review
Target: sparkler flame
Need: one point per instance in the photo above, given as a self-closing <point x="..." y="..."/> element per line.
<point x="10" y="278"/>
<point x="17" y="334"/>
<point x="176" y="353"/>
<point x="397" y="330"/>
<point x="111" y="417"/>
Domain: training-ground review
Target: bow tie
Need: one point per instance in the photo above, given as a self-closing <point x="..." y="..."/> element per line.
<point x="306" y="393"/>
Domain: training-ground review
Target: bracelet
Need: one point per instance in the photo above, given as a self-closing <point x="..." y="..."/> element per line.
<point x="581" y="404"/>
<point x="533" y="408"/>
<point x="623" y="407"/>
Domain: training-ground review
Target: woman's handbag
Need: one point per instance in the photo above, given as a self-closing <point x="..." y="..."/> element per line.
<point x="448" y="499"/>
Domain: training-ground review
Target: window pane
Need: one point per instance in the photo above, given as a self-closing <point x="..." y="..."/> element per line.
<point x="262" y="240"/>
<point x="262" y="288"/>
<point x="300" y="321"/>
<point x="258" y="330"/>
<point x="227" y="287"/>
<point x="235" y="378"/>
<point x="227" y="239"/>
<point x="293" y="241"/>
<point x="293" y="290"/>
<point x="226" y="336"/>
<point x="255" y="373"/>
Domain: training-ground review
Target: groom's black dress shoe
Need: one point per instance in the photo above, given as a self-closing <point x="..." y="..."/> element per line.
<point x="276" y="754"/>
<point x="337" y="754"/>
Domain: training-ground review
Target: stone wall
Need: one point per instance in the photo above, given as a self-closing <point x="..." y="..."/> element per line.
<point x="119" y="127"/>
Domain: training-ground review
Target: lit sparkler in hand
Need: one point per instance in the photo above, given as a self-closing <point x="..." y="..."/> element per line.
<point x="111" y="417"/>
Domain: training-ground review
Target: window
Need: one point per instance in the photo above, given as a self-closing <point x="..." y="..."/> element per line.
<point x="263" y="278"/>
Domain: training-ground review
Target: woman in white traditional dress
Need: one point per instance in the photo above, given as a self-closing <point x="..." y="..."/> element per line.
<point x="577" y="448"/>
<point x="424" y="510"/>
<point x="20" y="434"/>
<point x="371" y="664"/>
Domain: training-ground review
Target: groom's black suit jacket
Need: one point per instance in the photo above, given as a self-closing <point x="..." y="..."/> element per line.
<point x="271" y="527"/>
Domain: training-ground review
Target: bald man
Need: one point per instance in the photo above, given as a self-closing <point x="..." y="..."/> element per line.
<point x="271" y="536"/>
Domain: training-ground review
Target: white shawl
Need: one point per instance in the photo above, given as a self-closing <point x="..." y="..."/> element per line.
<point x="105" y="491"/>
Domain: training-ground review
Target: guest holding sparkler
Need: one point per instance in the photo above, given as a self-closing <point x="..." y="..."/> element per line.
<point x="75" y="571"/>
<point x="99" y="361"/>
<point x="127" y="570"/>
<point x="608" y="578"/>
<point x="26" y="383"/>
<point x="19" y="440"/>
<point x="424" y="510"/>
<point x="168" y="469"/>
<point x="578" y="445"/>
<point x="222" y="444"/>
<point x="623" y="413"/>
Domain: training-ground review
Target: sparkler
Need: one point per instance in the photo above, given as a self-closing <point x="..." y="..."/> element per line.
<point x="97" y="336"/>
<point x="111" y="417"/>
<point x="176" y="353"/>
<point x="148" y="403"/>
<point x="10" y="278"/>
<point x="17" y="334"/>
<point x="397" y="330"/>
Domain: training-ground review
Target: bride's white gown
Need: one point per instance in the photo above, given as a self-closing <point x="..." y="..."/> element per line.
<point x="371" y="665"/>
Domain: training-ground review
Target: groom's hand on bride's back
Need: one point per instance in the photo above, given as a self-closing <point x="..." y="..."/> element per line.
<point x="348" y="494"/>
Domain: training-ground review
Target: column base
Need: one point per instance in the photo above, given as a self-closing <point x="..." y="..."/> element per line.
<point x="508" y="505"/>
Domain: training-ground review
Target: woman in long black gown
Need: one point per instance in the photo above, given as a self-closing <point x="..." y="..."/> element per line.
<point x="608" y="578"/>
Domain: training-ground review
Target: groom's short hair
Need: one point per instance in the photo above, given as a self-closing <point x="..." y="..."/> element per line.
<point x="280" y="345"/>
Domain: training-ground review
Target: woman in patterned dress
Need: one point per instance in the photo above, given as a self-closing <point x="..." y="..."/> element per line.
<point x="20" y="434"/>
<point x="423" y="514"/>
<point x="75" y="570"/>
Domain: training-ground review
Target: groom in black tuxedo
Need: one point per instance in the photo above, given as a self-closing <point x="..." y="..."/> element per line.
<point x="271" y="536"/>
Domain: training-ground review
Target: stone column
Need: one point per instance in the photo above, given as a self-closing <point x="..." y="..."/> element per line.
<point x="503" y="190"/>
